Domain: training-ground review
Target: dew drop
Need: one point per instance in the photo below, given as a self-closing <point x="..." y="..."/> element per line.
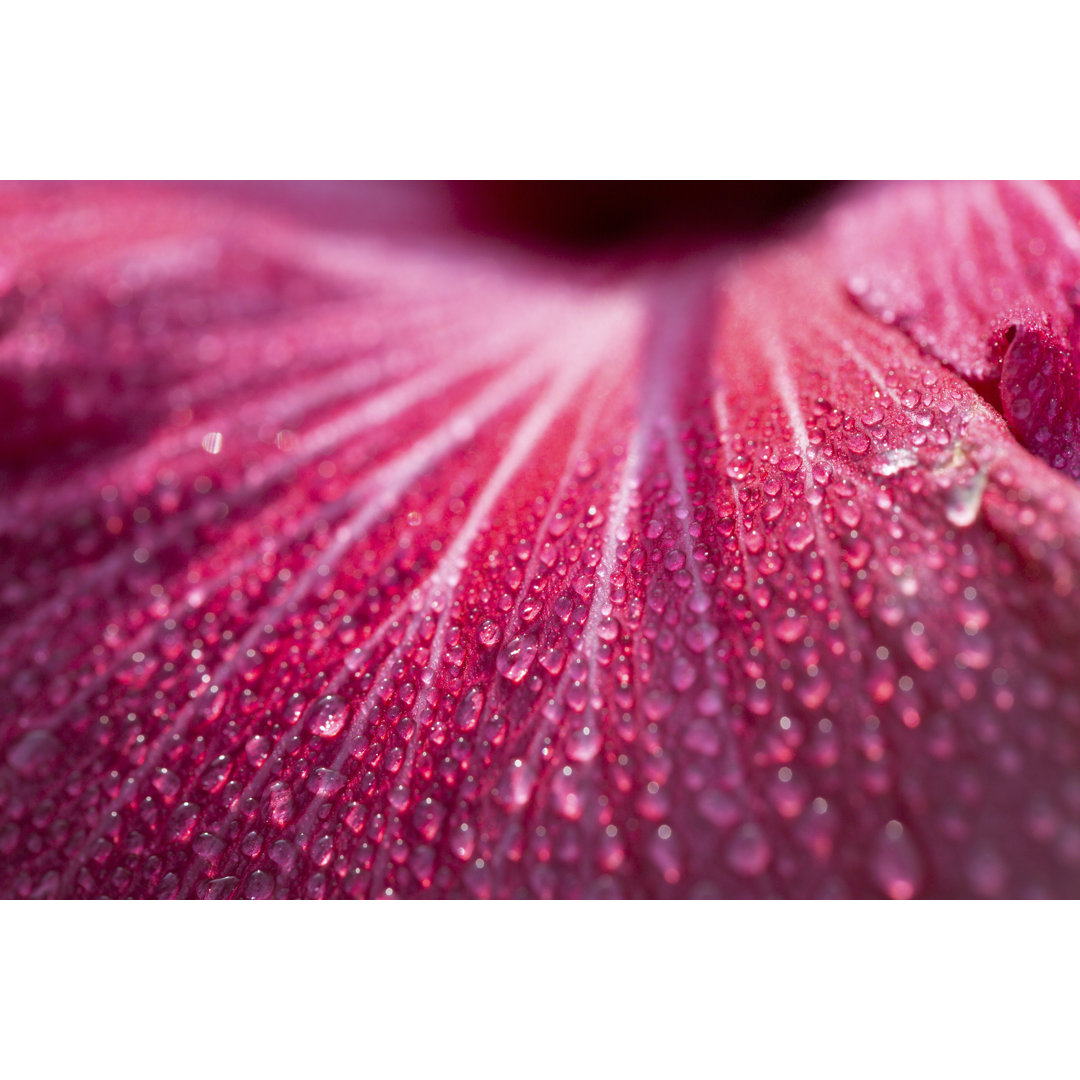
<point x="279" y="803"/>
<point x="895" y="461"/>
<point x="259" y="886"/>
<point x="583" y="744"/>
<point x="718" y="808"/>
<point x="33" y="753"/>
<point x="516" y="657"/>
<point x="326" y="716"/>
<point x="219" y="889"/>
<point x="517" y="785"/>
<point x="799" y="536"/>
<point x="553" y="659"/>
<point x="166" y="782"/>
<point x="182" y="823"/>
<point x="257" y="749"/>
<point x="738" y="468"/>
<point x="325" y="782"/>
<point x="895" y="863"/>
<point x="963" y="501"/>
<point x="469" y="709"/>
<point x="748" y="851"/>
<point x="207" y="846"/>
<point x="463" y="842"/>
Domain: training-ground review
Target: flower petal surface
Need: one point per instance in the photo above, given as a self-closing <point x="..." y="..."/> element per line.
<point x="383" y="561"/>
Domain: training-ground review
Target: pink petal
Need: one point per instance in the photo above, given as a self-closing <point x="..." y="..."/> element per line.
<point x="1040" y="395"/>
<point x="380" y="561"/>
<point x="985" y="277"/>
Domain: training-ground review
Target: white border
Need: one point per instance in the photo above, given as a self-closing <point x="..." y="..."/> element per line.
<point x="570" y="88"/>
<point x="659" y="989"/>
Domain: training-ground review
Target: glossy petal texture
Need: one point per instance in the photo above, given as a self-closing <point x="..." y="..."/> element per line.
<point x="382" y="562"/>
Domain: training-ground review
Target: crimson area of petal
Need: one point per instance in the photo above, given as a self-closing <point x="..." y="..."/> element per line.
<point x="422" y="569"/>
<point x="1040" y="395"/>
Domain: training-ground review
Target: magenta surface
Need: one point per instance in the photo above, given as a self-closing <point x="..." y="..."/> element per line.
<point x="344" y="553"/>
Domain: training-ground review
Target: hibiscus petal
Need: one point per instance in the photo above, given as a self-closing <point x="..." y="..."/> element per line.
<point x="985" y="277"/>
<point x="358" y="564"/>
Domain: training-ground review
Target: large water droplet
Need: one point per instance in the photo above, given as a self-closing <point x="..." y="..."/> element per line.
<point x="326" y="716"/>
<point x="516" y="657"/>
<point x="325" y="782"/>
<point x="469" y="709"/>
<point x="964" y="500"/>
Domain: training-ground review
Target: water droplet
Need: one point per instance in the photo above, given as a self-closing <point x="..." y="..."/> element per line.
<point x="516" y="657"/>
<point x="166" y="782"/>
<point x="799" y="536"/>
<point x="566" y="797"/>
<point x="517" y="785"/>
<point x="325" y="782"/>
<point x="34" y="753"/>
<point x="583" y="744"/>
<point x="259" y="886"/>
<point x="748" y="851"/>
<point x="257" y="749"/>
<point x="463" y="841"/>
<point x="896" y="460"/>
<point x="702" y="737"/>
<point x="718" y="808"/>
<point x="327" y="716"/>
<point x="219" y="889"/>
<point x="207" y="845"/>
<point x="964" y="500"/>
<point x="279" y="803"/>
<point x="553" y="659"/>
<point x="701" y="636"/>
<point x="469" y="709"/>
<point x="739" y="467"/>
<point x="895" y="863"/>
<point x="182" y="823"/>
